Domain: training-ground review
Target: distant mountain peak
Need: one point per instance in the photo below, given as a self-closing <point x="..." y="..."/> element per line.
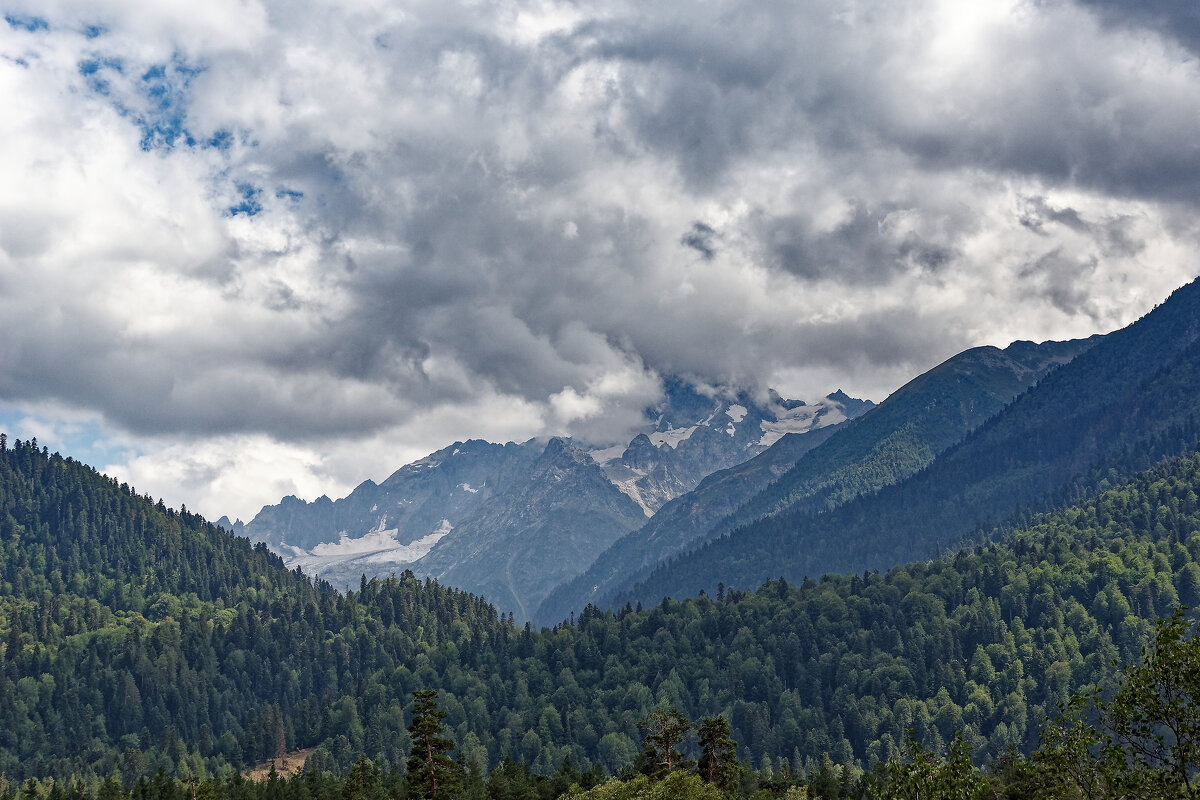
<point x="697" y="429"/>
<point x="235" y="527"/>
<point x="777" y="399"/>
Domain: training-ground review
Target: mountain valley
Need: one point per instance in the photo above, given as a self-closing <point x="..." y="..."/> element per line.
<point x="1007" y="526"/>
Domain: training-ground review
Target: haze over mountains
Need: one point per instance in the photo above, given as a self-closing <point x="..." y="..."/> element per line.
<point x="134" y="631"/>
<point x="897" y="438"/>
<point x="545" y="529"/>
<point x="532" y="268"/>
<point x="1124" y="403"/>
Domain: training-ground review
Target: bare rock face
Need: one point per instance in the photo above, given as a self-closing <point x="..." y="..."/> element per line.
<point x="554" y="520"/>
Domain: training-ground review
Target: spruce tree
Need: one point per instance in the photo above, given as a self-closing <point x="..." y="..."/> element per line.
<point x="431" y="771"/>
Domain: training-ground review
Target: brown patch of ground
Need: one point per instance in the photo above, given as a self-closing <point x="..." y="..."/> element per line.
<point x="290" y="764"/>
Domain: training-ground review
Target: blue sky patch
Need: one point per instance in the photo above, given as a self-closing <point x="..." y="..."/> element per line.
<point x="93" y="69"/>
<point x="221" y="140"/>
<point x="166" y="88"/>
<point x="250" y="204"/>
<point x="26" y="23"/>
<point x="94" y="31"/>
<point x="86" y="440"/>
<point x="91" y="66"/>
<point x="290" y="194"/>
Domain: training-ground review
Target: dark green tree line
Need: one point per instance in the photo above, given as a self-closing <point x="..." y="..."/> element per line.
<point x="135" y="638"/>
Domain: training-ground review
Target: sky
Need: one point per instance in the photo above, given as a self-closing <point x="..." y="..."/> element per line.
<point x="252" y="248"/>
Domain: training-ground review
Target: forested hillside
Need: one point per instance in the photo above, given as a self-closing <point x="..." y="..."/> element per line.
<point x="135" y="637"/>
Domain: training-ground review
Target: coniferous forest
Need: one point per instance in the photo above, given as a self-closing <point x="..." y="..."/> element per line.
<point x="558" y="400"/>
<point x="144" y="647"/>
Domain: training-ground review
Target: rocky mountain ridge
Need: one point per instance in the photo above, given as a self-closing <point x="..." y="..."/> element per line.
<point x="459" y="512"/>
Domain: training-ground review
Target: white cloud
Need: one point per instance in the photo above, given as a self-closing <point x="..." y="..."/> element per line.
<point x="294" y="244"/>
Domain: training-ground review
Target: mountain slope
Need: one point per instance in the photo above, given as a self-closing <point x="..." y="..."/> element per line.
<point x="682" y="521"/>
<point x="889" y="442"/>
<point x="409" y="506"/>
<point x="1126" y="402"/>
<point x="422" y="516"/>
<point x="912" y="426"/>
<point x="556" y="516"/>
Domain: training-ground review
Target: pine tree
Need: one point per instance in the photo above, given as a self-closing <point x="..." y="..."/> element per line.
<point x="665" y="729"/>
<point x="718" y="754"/>
<point x="431" y="771"/>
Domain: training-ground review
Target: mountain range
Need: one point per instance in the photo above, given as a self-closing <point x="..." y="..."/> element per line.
<point x="136" y="638"/>
<point x="513" y="521"/>
<point x="545" y="529"/>
<point x="888" y="443"/>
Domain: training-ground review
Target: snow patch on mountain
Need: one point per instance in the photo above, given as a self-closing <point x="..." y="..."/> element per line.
<point x="669" y="458"/>
<point x="800" y="420"/>
<point x="607" y="454"/>
<point x="633" y="489"/>
<point x="379" y="546"/>
<point x="671" y="437"/>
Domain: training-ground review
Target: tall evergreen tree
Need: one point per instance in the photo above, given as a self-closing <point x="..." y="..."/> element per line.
<point x="718" y="754"/>
<point x="362" y="783"/>
<point x="431" y="771"/>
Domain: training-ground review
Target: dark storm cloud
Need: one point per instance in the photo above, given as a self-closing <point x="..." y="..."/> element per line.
<point x="858" y="249"/>
<point x="1039" y="212"/>
<point x="1064" y="280"/>
<point x="1175" y="19"/>
<point x="701" y="238"/>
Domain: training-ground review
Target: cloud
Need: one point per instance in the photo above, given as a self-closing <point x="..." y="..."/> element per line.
<point x="1172" y="20"/>
<point x="701" y="238"/>
<point x="307" y="241"/>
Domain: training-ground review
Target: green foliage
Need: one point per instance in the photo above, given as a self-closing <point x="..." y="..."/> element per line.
<point x="718" y="763"/>
<point x="987" y="642"/>
<point x="1155" y="716"/>
<point x="431" y="771"/>
<point x="676" y="785"/>
<point x="922" y="775"/>
<point x="1145" y="742"/>
<point x="665" y="730"/>
<point x="361" y="784"/>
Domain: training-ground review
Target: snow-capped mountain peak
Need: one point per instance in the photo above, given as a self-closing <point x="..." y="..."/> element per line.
<point x="695" y="432"/>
